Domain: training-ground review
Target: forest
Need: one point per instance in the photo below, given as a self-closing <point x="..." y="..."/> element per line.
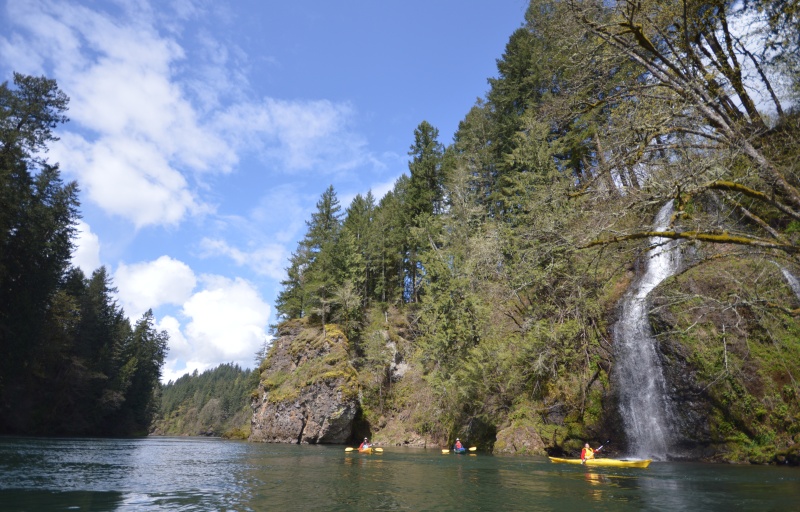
<point x="496" y="266"/>
<point x="213" y="403"/>
<point x="71" y="363"/>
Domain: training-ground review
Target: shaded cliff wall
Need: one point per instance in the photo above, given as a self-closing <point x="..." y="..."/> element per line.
<point x="730" y="344"/>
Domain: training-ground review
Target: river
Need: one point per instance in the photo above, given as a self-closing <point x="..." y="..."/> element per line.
<point x="198" y="474"/>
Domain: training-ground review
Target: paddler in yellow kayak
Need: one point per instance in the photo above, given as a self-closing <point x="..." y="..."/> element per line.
<point x="588" y="453"/>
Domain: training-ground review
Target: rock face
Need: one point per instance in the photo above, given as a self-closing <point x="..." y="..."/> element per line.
<point x="690" y="404"/>
<point x="519" y="440"/>
<point x="728" y="366"/>
<point x="308" y="390"/>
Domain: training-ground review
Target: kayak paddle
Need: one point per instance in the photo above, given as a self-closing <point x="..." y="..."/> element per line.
<point x="473" y="448"/>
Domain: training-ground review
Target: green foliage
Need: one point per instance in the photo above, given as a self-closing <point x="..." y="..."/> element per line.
<point x="745" y="353"/>
<point x="506" y="253"/>
<point x="215" y="402"/>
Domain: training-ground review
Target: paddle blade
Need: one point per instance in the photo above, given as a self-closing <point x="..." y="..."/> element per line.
<point x="473" y="448"/>
<point x="379" y="450"/>
<point x="348" y="449"/>
<point x="445" y="452"/>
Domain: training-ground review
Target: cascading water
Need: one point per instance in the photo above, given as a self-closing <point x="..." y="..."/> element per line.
<point x="793" y="282"/>
<point x="643" y="402"/>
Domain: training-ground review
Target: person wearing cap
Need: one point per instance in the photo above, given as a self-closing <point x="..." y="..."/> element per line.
<point x="364" y="445"/>
<point x="458" y="446"/>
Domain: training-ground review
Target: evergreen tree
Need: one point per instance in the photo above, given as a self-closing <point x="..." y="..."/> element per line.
<point x="360" y="223"/>
<point x="312" y="274"/>
<point x="138" y="377"/>
<point x="393" y="238"/>
<point x="67" y="362"/>
<point x="37" y="220"/>
<point x="424" y="197"/>
<point x="292" y="301"/>
<point x="216" y="402"/>
<point x="426" y="187"/>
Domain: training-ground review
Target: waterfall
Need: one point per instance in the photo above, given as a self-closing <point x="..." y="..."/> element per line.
<point x="794" y="284"/>
<point x="643" y="401"/>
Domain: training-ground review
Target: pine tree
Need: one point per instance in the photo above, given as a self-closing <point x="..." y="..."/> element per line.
<point x="38" y="212"/>
<point x="426" y="187"/>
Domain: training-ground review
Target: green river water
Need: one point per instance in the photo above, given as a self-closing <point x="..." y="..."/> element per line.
<point x="189" y="474"/>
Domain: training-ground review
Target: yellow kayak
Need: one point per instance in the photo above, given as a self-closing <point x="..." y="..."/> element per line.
<point x="619" y="463"/>
<point x="371" y="449"/>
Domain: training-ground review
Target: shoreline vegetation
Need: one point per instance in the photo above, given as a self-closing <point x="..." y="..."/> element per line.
<point x="478" y="298"/>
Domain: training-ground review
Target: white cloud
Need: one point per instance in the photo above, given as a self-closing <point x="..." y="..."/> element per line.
<point x="140" y="134"/>
<point x="381" y="189"/>
<point x="87" y="249"/>
<point x="148" y="109"/>
<point x="227" y="321"/>
<point x="299" y="135"/>
<point x="129" y="178"/>
<point x="179" y="356"/>
<point x="148" y="285"/>
<point x="378" y="191"/>
<point x="268" y="260"/>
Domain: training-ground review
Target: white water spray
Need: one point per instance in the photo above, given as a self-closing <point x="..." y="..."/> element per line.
<point x="643" y="402"/>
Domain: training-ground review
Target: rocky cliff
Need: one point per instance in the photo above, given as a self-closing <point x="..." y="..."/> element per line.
<point x="308" y="389"/>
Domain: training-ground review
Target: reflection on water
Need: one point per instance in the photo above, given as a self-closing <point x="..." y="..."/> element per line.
<point x="191" y="474"/>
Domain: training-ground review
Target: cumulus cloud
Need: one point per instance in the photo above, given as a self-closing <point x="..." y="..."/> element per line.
<point x="87" y="249"/>
<point x="179" y="360"/>
<point x="227" y="321"/>
<point x="130" y="179"/>
<point x="139" y="133"/>
<point x="151" y="284"/>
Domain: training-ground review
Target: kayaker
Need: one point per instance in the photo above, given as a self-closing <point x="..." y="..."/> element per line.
<point x="458" y="445"/>
<point x="364" y="445"/>
<point x="588" y="453"/>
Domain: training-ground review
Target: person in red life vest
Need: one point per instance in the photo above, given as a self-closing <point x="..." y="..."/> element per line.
<point x="588" y="453"/>
<point x="364" y="445"/>
<point x="458" y="445"/>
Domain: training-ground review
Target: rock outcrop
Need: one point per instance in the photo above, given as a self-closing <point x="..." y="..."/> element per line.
<point x="519" y="440"/>
<point x="308" y="389"/>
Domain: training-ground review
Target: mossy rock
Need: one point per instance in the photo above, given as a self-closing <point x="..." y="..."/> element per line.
<point x="520" y="438"/>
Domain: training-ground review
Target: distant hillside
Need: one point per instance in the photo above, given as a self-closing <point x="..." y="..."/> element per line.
<point x="213" y="403"/>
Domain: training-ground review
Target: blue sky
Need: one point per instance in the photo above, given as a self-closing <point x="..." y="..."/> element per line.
<point x="203" y="132"/>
